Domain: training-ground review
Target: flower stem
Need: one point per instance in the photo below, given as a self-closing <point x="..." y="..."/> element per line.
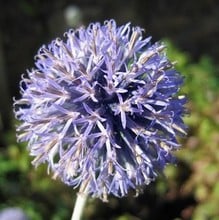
<point x="79" y="206"/>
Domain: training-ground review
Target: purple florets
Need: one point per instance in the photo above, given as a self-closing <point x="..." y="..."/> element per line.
<point x="101" y="108"/>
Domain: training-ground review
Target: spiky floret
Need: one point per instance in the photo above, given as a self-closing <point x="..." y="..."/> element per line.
<point x="101" y="107"/>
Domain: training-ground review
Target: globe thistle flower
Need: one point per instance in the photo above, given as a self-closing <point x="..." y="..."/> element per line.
<point x="101" y="107"/>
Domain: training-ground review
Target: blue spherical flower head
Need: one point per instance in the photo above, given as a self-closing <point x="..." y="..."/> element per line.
<point x="101" y="108"/>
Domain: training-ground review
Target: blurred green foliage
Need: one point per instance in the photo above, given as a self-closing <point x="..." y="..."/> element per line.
<point x="190" y="190"/>
<point x="200" y="151"/>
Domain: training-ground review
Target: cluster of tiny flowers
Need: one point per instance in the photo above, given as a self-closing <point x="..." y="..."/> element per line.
<point x="101" y="108"/>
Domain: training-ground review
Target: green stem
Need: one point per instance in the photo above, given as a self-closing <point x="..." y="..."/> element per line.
<point x="79" y="206"/>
